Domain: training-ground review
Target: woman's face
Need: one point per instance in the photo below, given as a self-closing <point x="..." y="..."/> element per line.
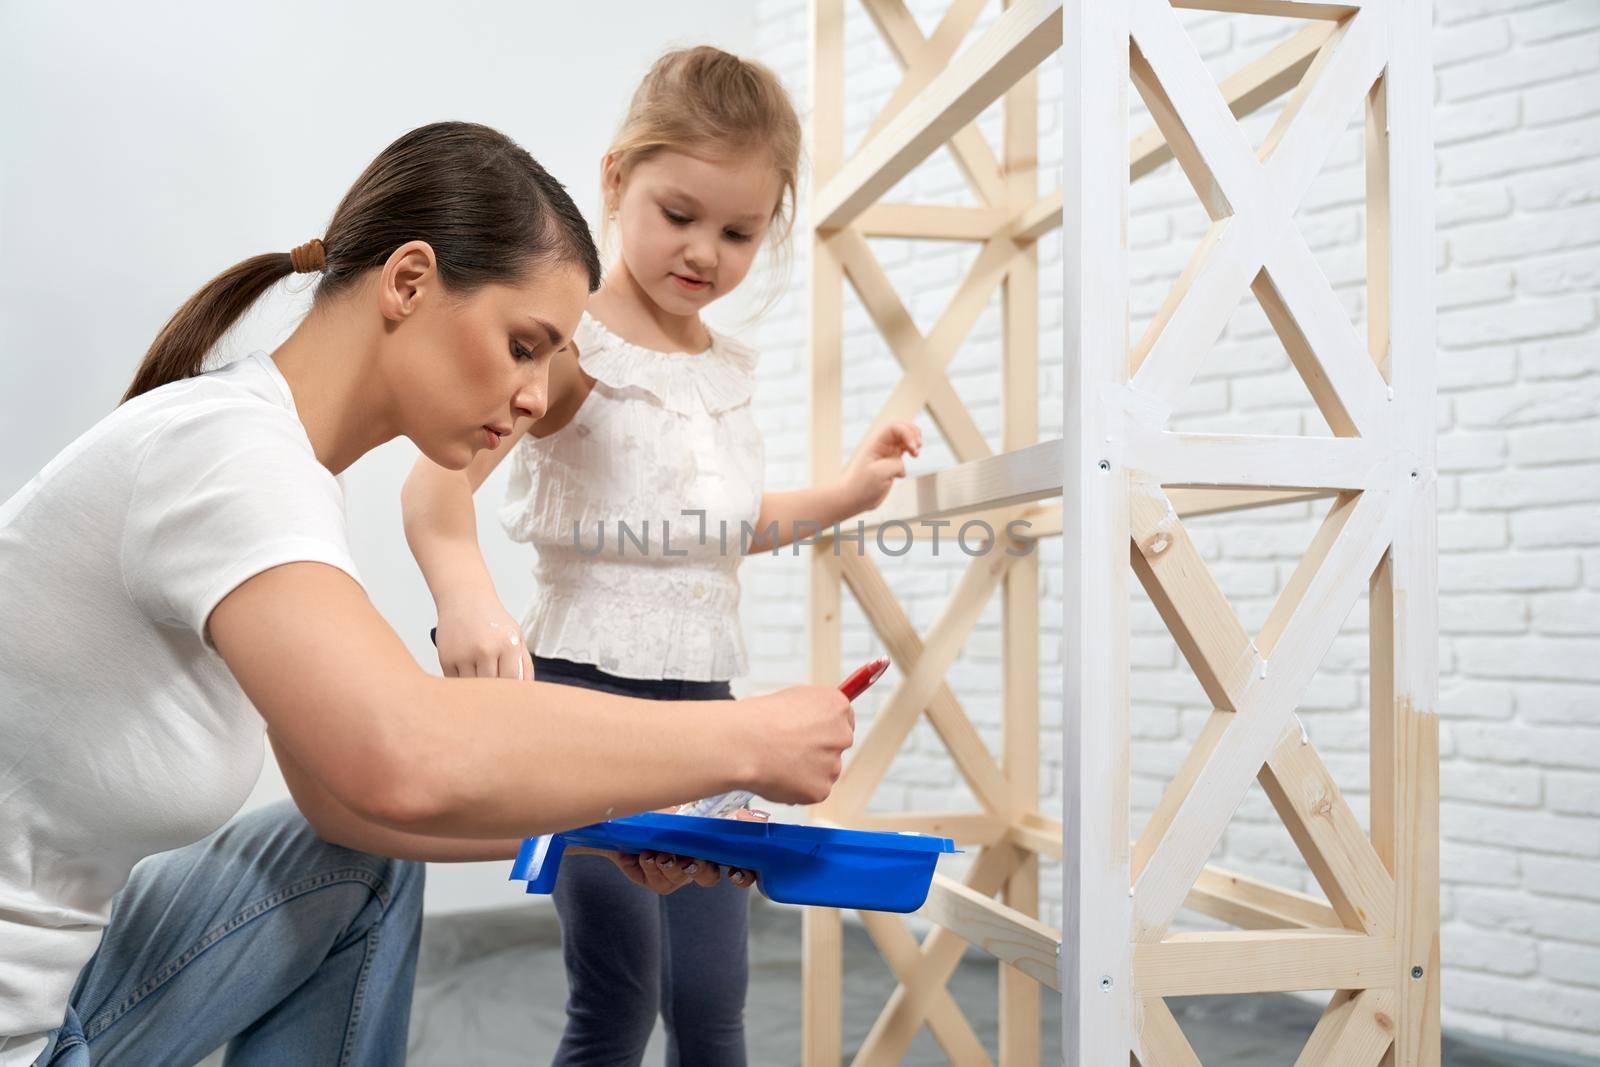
<point x="690" y="225"/>
<point x="470" y="365"/>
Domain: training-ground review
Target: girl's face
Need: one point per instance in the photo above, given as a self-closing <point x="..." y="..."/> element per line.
<point x="473" y="364"/>
<point x="690" y="225"/>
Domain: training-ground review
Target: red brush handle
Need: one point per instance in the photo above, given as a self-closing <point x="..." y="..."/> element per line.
<point x="863" y="676"/>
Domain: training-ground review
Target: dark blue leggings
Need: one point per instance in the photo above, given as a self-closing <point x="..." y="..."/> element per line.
<point x="630" y="953"/>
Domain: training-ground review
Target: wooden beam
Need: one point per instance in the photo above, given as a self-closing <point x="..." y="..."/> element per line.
<point x="1180" y="586"/>
<point x="1246" y="90"/>
<point x="922" y="60"/>
<point x="1251" y="904"/>
<point x="1326" y="831"/>
<point x="1345" y="550"/>
<point x="1019" y="1009"/>
<point x="1257" y="460"/>
<point x="921" y="687"/>
<point x="1022" y="523"/>
<point x="1180" y="142"/>
<point x="1320" y="341"/>
<point x="1032" y="472"/>
<point x="925" y="369"/>
<point x="1008" y="935"/>
<point x="945" y="1020"/>
<point x="1162" y="1042"/>
<point x="1355" y="1030"/>
<point x="1013" y="46"/>
<point x="963" y="827"/>
<point x="886" y="1043"/>
<point x="1261" y="961"/>
<point x="1293" y="9"/>
<point x="906" y="342"/>
<point x="1041" y="840"/>
<point x="822" y="936"/>
<point x="1236" y="899"/>
<point x="1377" y="225"/>
<point x="1035" y="220"/>
<point x="1095" y="1028"/>
<point x="1169" y="809"/>
<point x="1405" y="713"/>
<point x="1320" y="110"/>
<point x="930" y="222"/>
<point x="1195" y="502"/>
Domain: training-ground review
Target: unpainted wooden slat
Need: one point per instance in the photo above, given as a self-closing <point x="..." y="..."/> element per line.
<point x="930" y="222"/>
<point x="886" y="1043"/>
<point x="945" y="1019"/>
<point x="822" y="959"/>
<point x="906" y="342"/>
<point x="1016" y="939"/>
<point x="1180" y="586"/>
<point x="1017" y="42"/>
<point x="1355" y="1030"/>
<point x="1162" y="1042"/>
<point x="922" y="60"/>
<point x="1261" y="961"/>
<point x="1251" y="904"/>
<point x="923" y="664"/>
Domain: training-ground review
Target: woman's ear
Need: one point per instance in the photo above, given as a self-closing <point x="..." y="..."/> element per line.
<point x="410" y="272"/>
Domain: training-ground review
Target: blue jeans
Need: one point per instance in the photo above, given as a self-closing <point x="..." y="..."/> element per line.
<point x="630" y="953"/>
<point x="262" y="937"/>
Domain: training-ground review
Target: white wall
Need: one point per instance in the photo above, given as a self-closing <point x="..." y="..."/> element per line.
<point x="1518" y="127"/>
<point x="144" y="147"/>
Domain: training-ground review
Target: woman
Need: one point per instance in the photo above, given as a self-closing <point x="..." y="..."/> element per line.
<point x="179" y="580"/>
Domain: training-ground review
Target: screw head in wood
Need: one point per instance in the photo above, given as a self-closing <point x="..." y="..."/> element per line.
<point x="1105" y="464"/>
<point x="1416" y="972"/>
<point x="1105" y="983"/>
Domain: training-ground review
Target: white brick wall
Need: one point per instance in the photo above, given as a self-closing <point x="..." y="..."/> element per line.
<point x="1518" y="128"/>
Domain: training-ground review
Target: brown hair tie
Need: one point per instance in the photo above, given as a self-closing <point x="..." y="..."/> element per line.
<point x="309" y="257"/>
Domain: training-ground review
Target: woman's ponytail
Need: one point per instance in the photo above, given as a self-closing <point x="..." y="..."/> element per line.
<point x="181" y="347"/>
<point x="490" y="212"/>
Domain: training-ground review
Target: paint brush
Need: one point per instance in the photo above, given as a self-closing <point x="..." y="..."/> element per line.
<point x="726" y="803"/>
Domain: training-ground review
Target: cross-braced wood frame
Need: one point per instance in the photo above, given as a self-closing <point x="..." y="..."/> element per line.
<point x="1127" y="483"/>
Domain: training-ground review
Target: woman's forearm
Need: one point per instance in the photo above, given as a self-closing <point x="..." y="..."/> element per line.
<point x="495" y="757"/>
<point x="519" y="758"/>
<point x="338" y="825"/>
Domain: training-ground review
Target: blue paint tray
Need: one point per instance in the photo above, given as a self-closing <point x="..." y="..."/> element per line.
<point x="794" y="864"/>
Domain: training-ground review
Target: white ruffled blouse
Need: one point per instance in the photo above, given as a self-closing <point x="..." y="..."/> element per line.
<point x="627" y="581"/>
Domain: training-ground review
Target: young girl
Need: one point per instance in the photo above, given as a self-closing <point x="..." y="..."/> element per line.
<point x="650" y="428"/>
<point x="178" y="582"/>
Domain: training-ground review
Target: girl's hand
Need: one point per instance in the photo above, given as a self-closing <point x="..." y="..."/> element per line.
<point x="876" y="465"/>
<point x="479" y="639"/>
<point x="663" y="873"/>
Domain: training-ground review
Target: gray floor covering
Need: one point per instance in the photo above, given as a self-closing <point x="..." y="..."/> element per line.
<point x="491" y="991"/>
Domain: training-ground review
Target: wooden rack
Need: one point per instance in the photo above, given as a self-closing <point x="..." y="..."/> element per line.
<point x="1126" y="483"/>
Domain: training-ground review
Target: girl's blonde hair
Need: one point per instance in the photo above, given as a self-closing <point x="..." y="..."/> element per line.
<point x="703" y="99"/>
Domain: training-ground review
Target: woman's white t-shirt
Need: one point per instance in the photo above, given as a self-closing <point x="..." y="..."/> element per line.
<point x="122" y="732"/>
